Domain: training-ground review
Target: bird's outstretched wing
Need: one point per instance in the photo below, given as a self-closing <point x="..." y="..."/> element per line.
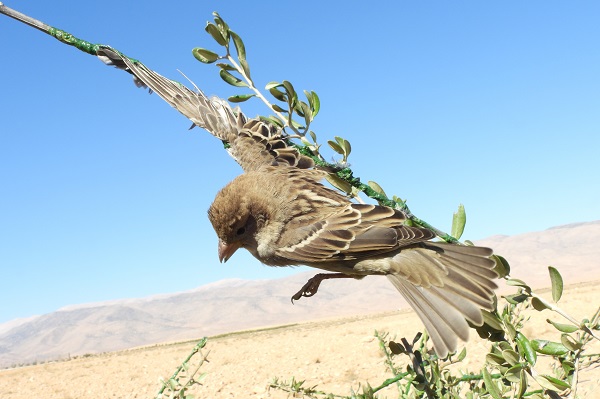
<point x="253" y="143"/>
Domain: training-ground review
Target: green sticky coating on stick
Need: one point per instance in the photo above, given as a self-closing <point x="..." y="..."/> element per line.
<point x="71" y="40"/>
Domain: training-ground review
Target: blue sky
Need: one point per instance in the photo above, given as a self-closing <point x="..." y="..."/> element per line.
<point x="104" y="191"/>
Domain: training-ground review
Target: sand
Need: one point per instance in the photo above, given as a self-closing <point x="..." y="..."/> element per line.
<point x="336" y="354"/>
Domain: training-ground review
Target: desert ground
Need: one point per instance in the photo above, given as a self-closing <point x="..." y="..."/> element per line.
<point x="335" y="354"/>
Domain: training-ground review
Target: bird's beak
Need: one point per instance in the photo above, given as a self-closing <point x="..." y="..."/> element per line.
<point x="226" y="250"/>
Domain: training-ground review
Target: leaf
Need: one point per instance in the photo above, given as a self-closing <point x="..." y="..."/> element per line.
<point x="335" y="147"/>
<point x="292" y="95"/>
<point x="396" y="348"/>
<point x="551" y="383"/>
<point x="220" y="22"/>
<point x="548" y="347"/>
<point x="502" y="268"/>
<point x="522" y="384"/>
<point x="278" y="108"/>
<point x="491" y="320"/>
<point x="222" y="26"/>
<point x="513" y="373"/>
<point x="204" y="55"/>
<point x="490" y="384"/>
<point x="273" y="120"/>
<point x="232" y="80"/>
<point x="461" y="356"/>
<point x="570" y="343"/>
<point x="316" y="103"/>
<point x="339" y="183"/>
<point x="216" y="34"/>
<point x="516" y="298"/>
<point x="557" y="283"/>
<point x="240" y="98"/>
<point x="239" y="45"/>
<point x="347" y="148"/>
<point x="459" y="219"/>
<point x="376" y="187"/>
<point x="226" y="67"/>
<point x="526" y="349"/>
<point x="246" y="68"/>
<point x="511" y="356"/>
<point x="518" y="283"/>
<point x="495" y="359"/>
<point x="306" y="113"/>
<point x="540" y="304"/>
<point x="566" y="328"/>
<point x="278" y="94"/>
<point x="272" y="85"/>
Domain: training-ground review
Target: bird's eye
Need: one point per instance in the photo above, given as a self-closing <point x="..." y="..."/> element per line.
<point x="240" y="231"/>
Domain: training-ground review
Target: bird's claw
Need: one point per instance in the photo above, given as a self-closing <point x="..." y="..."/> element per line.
<point x="309" y="289"/>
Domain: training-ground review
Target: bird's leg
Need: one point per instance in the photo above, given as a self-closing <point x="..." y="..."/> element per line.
<point x="312" y="285"/>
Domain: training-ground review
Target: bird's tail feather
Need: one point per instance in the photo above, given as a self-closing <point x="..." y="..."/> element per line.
<point x="448" y="305"/>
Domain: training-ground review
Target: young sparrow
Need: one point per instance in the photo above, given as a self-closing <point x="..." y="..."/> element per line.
<point x="285" y="217"/>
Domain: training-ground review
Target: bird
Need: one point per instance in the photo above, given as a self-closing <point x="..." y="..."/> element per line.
<point x="285" y="216"/>
<point x="279" y="211"/>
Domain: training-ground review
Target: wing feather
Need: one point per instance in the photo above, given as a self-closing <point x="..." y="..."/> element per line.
<point x="252" y="143"/>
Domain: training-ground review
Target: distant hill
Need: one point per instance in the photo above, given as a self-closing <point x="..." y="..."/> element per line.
<point x="232" y="305"/>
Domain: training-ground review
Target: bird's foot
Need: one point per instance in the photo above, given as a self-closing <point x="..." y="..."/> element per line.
<point x="312" y="285"/>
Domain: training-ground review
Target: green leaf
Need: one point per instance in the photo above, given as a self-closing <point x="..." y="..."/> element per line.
<point x="461" y="356"/>
<point x="546" y="347"/>
<point x="491" y="320"/>
<point x="278" y="94"/>
<point x="316" y="103"/>
<point x="240" y="98"/>
<point x="216" y="34"/>
<point x="526" y="349"/>
<point x="557" y="283"/>
<point x="232" y="80"/>
<point x="220" y="22"/>
<point x="335" y="147"/>
<point x="271" y="85"/>
<point x="273" y="120"/>
<point x="511" y="356"/>
<point x="459" y="219"/>
<point x="518" y="283"/>
<point x="570" y="343"/>
<point x="246" y="68"/>
<point x="513" y="373"/>
<point x="339" y="183"/>
<point x="495" y="359"/>
<point x="540" y="304"/>
<point x="292" y="95"/>
<point x="222" y="26"/>
<point x="490" y="384"/>
<point x="516" y="298"/>
<point x="226" y="67"/>
<point x="345" y="145"/>
<point x="239" y="45"/>
<point x="376" y="187"/>
<point x="551" y="383"/>
<point x="522" y="384"/>
<point x="278" y="108"/>
<point x="204" y="55"/>
<point x="502" y="268"/>
<point x="566" y="328"/>
<point x="396" y="348"/>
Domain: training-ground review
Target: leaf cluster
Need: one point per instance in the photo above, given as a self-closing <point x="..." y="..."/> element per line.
<point x="235" y="71"/>
<point x="185" y="376"/>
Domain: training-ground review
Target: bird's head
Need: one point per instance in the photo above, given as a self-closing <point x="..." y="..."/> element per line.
<point x="236" y="219"/>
